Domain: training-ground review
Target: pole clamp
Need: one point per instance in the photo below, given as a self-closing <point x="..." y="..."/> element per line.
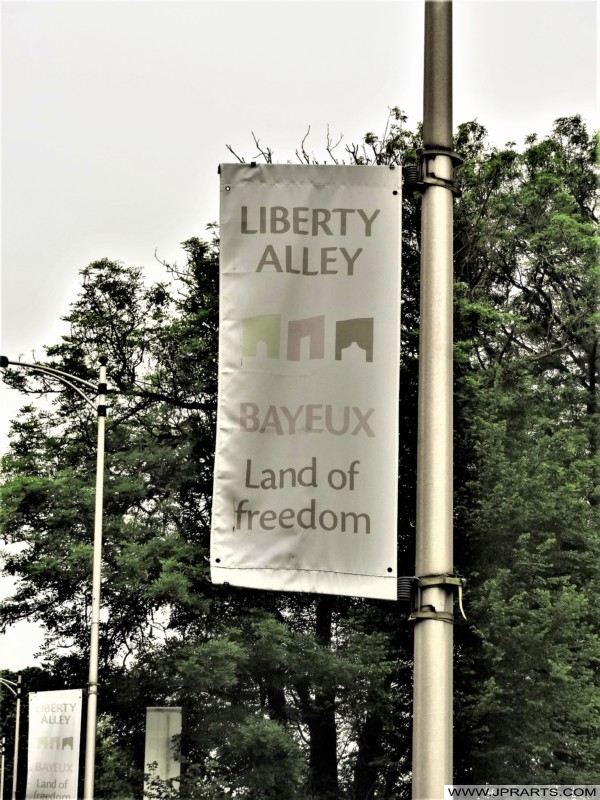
<point x="428" y="152"/>
<point x="417" y="176"/>
<point x="431" y="179"/>
<point x="442" y="616"/>
<point x="420" y="611"/>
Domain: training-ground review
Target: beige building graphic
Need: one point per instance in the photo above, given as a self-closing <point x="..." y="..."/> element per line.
<point x="299" y="329"/>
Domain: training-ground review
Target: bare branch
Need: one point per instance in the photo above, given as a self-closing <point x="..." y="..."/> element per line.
<point x="266" y="154"/>
<point x="352" y="150"/>
<point x="387" y="127"/>
<point x="304" y="158"/>
<point x="160" y="261"/>
<point x="232" y="151"/>
<point x="547" y="354"/>
<point x="331" y="147"/>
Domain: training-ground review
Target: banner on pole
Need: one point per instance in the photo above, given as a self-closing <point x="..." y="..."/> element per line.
<point x="54" y="742"/>
<point x="306" y="467"/>
<point x="163" y="724"/>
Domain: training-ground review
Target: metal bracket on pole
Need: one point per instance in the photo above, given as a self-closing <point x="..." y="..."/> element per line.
<point x="429" y="177"/>
<point x="428" y="152"/>
<point x="427" y="612"/>
<point x="441" y="616"/>
<point x="418" y="176"/>
<point x="432" y="179"/>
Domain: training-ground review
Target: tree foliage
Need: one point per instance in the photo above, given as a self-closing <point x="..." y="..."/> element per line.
<point x="299" y="697"/>
<point x="528" y="295"/>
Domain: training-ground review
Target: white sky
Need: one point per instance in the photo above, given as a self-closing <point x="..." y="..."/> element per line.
<point x="115" y="116"/>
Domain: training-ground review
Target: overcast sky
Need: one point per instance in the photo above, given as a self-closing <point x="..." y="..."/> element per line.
<point x="116" y="115"/>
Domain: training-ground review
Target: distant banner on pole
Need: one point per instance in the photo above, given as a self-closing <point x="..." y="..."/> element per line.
<point x="163" y="726"/>
<point x="54" y="742"/>
<point x="306" y="468"/>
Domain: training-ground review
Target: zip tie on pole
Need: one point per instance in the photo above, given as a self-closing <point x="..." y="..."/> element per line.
<point x="427" y="612"/>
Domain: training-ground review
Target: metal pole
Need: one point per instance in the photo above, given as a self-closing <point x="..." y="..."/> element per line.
<point x="17" y="731"/>
<point x="92" y="707"/>
<point x="432" y="698"/>
<point x="2" y="749"/>
<point x="68" y="380"/>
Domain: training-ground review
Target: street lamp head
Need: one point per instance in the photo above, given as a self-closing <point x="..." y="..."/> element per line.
<point x="4" y="362"/>
<point x="103" y="360"/>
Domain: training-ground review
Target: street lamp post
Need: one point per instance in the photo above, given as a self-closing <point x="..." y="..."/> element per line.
<point x="2" y="749"/>
<point x="15" y="688"/>
<point x="74" y="382"/>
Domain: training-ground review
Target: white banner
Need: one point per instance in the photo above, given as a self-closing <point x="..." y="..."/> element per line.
<point x="163" y="724"/>
<point x="306" y="471"/>
<point x="54" y="741"/>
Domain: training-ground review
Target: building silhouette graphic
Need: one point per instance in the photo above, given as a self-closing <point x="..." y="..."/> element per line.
<point x="266" y="329"/>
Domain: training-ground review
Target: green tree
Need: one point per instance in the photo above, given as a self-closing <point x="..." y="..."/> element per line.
<point x="527" y="384"/>
<point x="318" y="690"/>
<point x="164" y="616"/>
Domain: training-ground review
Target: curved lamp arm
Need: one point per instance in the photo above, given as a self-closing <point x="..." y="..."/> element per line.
<point x="9" y="685"/>
<point x="57" y="374"/>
